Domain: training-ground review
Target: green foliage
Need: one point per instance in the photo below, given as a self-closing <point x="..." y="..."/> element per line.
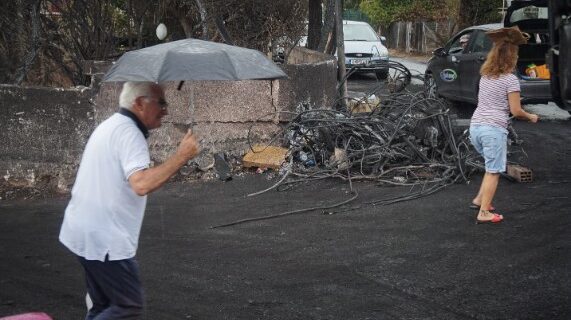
<point x="384" y="12"/>
<point x="469" y="12"/>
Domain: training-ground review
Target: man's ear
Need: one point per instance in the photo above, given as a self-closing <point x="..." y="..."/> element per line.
<point x="138" y="103"/>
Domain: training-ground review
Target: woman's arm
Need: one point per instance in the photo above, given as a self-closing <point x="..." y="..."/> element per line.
<point x="515" y="108"/>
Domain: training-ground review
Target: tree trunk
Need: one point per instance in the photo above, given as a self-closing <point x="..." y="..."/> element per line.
<point x="203" y="17"/>
<point x="223" y="32"/>
<point x="186" y="26"/>
<point x="130" y="18"/>
<point x="140" y="10"/>
<point x="340" y="53"/>
<point x="32" y="53"/>
<point x="21" y="32"/>
<point x="463" y="14"/>
<point x="314" y="25"/>
<point x="328" y="29"/>
<point x="140" y="33"/>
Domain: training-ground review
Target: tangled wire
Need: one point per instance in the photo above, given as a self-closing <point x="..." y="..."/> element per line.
<point x="408" y="139"/>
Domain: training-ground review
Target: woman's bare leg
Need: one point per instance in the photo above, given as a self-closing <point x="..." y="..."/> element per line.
<point x="487" y="190"/>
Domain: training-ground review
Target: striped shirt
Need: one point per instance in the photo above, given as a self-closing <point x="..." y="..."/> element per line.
<point x="493" y="107"/>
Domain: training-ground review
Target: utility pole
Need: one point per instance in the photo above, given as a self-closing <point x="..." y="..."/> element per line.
<point x="340" y="53"/>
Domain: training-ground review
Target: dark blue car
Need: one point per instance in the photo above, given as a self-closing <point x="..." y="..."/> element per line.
<point x="454" y="70"/>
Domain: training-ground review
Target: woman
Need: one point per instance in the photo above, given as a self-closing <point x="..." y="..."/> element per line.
<point x="498" y="96"/>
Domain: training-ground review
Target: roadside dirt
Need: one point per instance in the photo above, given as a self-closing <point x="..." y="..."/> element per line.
<point x="43" y="188"/>
<point x="415" y="56"/>
<point x="46" y="187"/>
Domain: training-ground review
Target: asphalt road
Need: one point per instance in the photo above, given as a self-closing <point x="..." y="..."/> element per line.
<point x="420" y="259"/>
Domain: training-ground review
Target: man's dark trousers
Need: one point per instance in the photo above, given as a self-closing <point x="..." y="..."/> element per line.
<point x="115" y="289"/>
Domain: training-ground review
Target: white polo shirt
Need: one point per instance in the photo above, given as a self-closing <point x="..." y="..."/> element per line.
<point x="104" y="215"/>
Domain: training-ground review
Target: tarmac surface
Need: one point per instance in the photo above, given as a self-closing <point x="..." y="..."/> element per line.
<point x="420" y="259"/>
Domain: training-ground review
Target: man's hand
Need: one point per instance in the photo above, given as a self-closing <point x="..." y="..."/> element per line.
<point x="188" y="147"/>
<point x="145" y="181"/>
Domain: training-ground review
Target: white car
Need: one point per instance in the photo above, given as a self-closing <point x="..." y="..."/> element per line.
<point x="364" y="49"/>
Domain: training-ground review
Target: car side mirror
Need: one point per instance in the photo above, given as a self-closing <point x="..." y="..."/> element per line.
<point x="439" y="52"/>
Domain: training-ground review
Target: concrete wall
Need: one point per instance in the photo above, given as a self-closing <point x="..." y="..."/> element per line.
<point x="44" y="130"/>
<point x="42" y="133"/>
<point x="313" y="80"/>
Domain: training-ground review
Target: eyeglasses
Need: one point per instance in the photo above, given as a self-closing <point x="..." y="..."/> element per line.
<point x="163" y="104"/>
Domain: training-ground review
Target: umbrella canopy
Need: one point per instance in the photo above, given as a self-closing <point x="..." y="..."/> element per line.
<point x="193" y="59"/>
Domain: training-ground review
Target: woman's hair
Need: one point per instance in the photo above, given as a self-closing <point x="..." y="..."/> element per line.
<point x="502" y="59"/>
<point x="132" y="90"/>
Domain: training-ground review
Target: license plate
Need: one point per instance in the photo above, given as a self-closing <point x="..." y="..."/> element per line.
<point x="359" y="61"/>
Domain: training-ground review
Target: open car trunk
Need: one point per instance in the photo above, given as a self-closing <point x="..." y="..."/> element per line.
<point x="559" y="54"/>
<point x="531" y="17"/>
<point x="531" y="54"/>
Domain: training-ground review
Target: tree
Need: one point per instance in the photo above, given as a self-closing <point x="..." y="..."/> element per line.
<point x="49" y="46"/>
<point x="466" y="12"/>
<point x="34" y="42"/>
<point x="475" y="12"/>
<point x="20" y="38"/>
<point x="83" y="30"/>
<point x="383" y="12"/>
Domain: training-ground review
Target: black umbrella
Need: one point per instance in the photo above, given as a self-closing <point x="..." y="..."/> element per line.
<point x="193" y="59"/>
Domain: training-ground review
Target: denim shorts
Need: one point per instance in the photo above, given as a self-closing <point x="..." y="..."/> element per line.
<point x="492" y="144"/>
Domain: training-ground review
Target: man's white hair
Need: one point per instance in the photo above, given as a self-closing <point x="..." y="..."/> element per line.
<point x="132" y="90"/>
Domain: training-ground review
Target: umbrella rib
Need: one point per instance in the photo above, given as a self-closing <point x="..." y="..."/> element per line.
<point x="164" y="59"/>
<point x="234" y="72"/>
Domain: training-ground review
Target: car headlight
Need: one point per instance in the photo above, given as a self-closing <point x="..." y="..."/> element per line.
<point x="380" y="52"/>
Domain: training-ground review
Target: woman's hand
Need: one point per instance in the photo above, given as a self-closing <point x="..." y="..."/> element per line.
<point x="533" y="118"/>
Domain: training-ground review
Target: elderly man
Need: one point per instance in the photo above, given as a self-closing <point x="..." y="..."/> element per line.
<point x="104" y="216"/>
<point x="464" y="39"/>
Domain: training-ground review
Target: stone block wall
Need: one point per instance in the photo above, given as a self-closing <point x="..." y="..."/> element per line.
<point x="220" y="112"/>
<point x="44" y="130"/>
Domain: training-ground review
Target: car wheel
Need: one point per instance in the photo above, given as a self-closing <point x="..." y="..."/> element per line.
<point x="430" y="86"/>
<point x="382" y="75"/>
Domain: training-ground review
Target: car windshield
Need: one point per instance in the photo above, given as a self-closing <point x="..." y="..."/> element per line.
<point x="528" y="13"/>
<point x="359" y="32"/>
